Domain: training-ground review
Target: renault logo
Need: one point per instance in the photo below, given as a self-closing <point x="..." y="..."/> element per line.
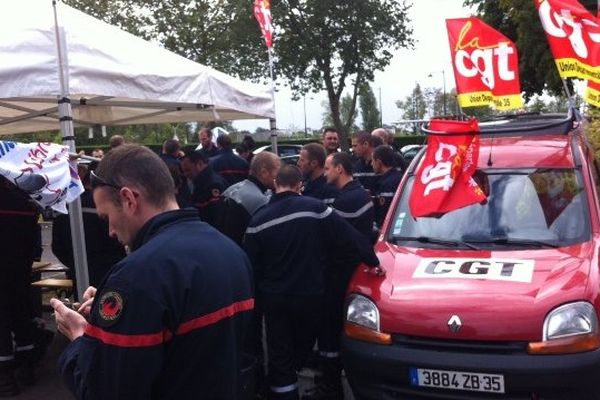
<point x="454" y="324"/>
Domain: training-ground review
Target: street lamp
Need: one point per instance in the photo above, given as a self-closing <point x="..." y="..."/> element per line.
<point x="304" y="100"/>
<point x="443" y="72"/>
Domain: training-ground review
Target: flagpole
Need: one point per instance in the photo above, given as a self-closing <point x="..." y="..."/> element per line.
<point x="568" y="93"/>
<point x="272" y="121"/>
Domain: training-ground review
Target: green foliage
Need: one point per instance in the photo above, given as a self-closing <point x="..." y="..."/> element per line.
<point x="413" y="106"/>
<point x="319" y="44"/>
<point x="369" y="111"/>
<point x="592" y="130"/>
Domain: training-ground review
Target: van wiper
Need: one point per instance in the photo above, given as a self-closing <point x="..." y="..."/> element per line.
<point x="517" y="242"/>
<point x="433" y="240"/>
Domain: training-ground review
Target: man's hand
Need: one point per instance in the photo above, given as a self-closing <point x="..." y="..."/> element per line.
<point x="88" y="298"/>
<point x="69" y="322"/>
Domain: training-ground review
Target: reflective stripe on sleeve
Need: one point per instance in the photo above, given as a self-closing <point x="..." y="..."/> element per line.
<point x="357" y="213"/>
<point x="288" y="218"/>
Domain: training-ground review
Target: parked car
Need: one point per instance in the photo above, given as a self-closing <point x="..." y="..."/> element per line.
<point x="409" y="152"/>
<point x="283" y="150"/>
<point x="497" y="300"/>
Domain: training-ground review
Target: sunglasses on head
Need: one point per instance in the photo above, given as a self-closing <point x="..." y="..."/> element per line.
<point x="96" y="182"/>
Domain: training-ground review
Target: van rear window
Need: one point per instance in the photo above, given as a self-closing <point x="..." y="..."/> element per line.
<point x="525" y="207"/>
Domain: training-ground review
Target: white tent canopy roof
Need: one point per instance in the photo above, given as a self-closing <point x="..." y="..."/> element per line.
<point x="112" y="77"/>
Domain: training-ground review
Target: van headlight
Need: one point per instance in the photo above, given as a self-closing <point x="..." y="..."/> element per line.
<point x="570" y="319"/>
<point x="362" y="311"/>
<point x="570" y="328"/>
<point x="362" y="321"/>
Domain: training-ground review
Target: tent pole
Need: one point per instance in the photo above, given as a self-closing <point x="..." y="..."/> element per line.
<point x="272" y="121"/>
<point x="65" y="114"/>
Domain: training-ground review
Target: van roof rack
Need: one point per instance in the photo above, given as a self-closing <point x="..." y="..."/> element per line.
<point x="530" y="123"/>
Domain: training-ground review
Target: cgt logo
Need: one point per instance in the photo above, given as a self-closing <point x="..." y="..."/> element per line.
<point x="439" y="176"/>
<point x="565" y="25"/>
<point x="469" y="268"/>
<point x="485" y="61"/>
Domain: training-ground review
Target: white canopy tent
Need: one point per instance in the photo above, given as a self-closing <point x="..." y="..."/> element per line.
<point x="62" y="67"/>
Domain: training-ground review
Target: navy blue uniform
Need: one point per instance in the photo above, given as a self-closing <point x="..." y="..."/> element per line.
<point x="287" y="242"/>
<point x="238" y="203"/>
<point x="209" y="152"/>
<point x="205" y="194"/>
<point x="355" y="205"/>
<point x="232" y="168"/>
<point x="320" y="189"/>
<point x="362" y="171"/>
<point x="386" y="188"/>
<point x="168" y="322"/>
<point x="18" y="235"/>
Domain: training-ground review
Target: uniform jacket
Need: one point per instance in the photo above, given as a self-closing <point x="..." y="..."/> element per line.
<point x="320" y="189"/>
<point x="239" y="203"/>
<point x="289" y="240"/>
<point x="205" y="195"/>
<point x="168" y="321"/>
<point x="355" y="205"/>
<point x="232" y="168"/>
<point x="362" y="171"/>
<point x="18" y="224"/>
<point x="384" y="193"/>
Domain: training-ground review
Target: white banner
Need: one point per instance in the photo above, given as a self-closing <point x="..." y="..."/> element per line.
<point x="42" y="170"/>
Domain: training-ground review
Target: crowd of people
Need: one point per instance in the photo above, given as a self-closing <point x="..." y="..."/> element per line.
<point x="198" y="258"/>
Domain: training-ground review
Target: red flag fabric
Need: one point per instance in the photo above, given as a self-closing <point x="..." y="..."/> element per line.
<point x="262" y="13"/>
<point x="592" y="92"/>
<point x="444" y="181"/>
<point x="486" y="65"/>
<point x="574" y="37"/>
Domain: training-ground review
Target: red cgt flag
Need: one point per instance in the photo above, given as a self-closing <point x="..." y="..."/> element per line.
<point x="486" y="65"/>
<point x="574" y="37"/>
<point x="444" y="181"/>
<point x="262" y="13"/>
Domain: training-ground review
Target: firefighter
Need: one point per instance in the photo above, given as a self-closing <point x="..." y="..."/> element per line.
<point x="169" y="320"/>
<point x="230" y="167"/>
<point x="312" y="164"/>
<point x="203" y="186"/>
<point x="18" y="230"/>
<point x="389" y="179"/>
<point x="289" y="275"/>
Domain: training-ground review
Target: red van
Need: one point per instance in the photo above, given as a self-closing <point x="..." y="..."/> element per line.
<point x="497" y="300"/>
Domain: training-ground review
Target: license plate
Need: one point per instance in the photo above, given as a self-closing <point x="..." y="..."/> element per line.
<point x="457" y="380"/>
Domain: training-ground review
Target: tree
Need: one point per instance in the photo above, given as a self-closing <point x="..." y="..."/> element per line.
<point x="519" y="21"/>
<point x="413" y="107"/>
<point x="371" y="116"/>
<point x="347" y="113"/>
<point x="319" y="44"/>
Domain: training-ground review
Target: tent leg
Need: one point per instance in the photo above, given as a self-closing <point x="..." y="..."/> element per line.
<point x="273" y="126"/>
<point x="75" y="214"/>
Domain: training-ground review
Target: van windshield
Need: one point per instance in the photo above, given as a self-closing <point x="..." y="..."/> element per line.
<point x="525" y="207"/>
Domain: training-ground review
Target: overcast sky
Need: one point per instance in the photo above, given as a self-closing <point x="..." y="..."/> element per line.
<point x="430" y="55"/>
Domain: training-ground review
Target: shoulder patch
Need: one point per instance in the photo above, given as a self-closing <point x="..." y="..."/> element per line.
<point x="216" y="192"/>
<point x="382" y="201"/>
<point x="110" y="308"/>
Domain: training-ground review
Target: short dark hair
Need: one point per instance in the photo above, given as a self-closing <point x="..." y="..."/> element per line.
<point x="116" y="141"/>
<point x="224" y="141"/>
<point x="375" y="141"/>
<point x="363" y="136"/>
<point x="343" y="159"/>
<point x="249" y="142"/>
<point x="289" y="176"/>
<point x="316" y="152"/>
<point x="195" y="156"/>
<point x="385" y="154"/>
<point x="329" y="129"/>
<point x="171" y="146"/>
<point x="138" y="166"/>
